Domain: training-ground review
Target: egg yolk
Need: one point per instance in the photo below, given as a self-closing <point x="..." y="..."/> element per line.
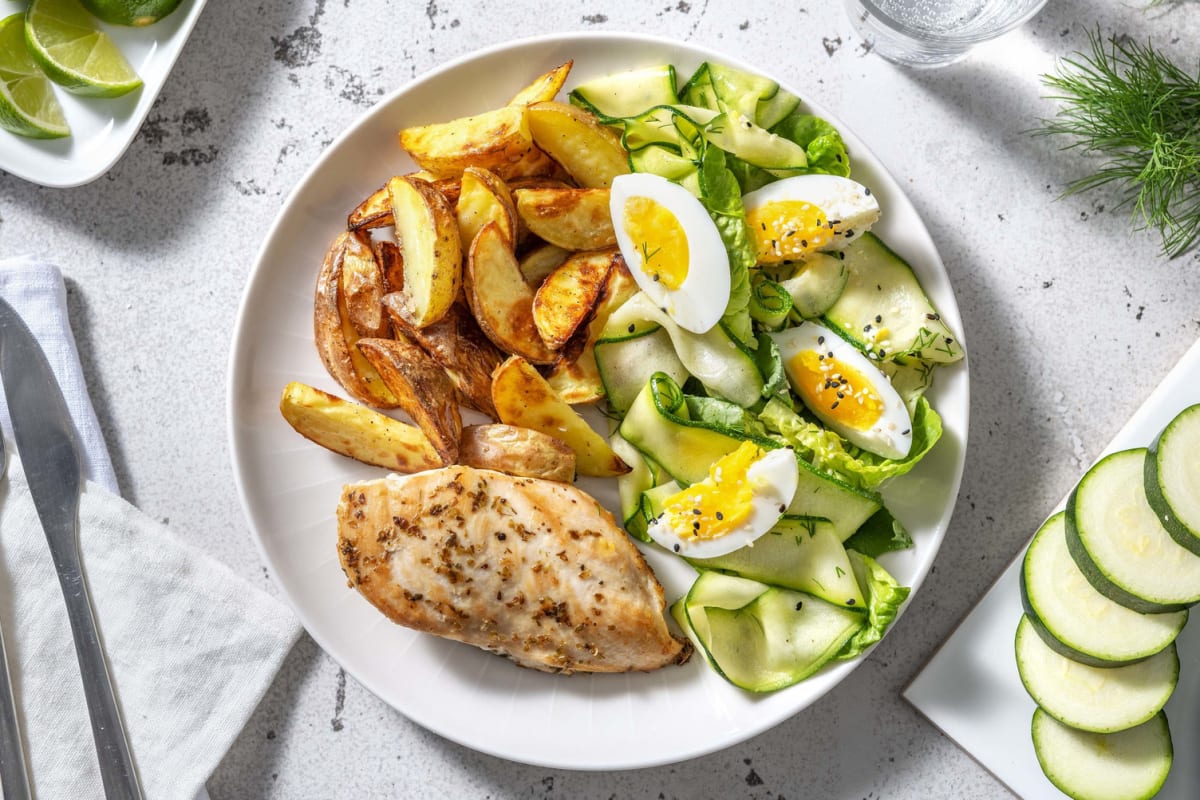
<point x="660" y="239"/>
<point x="788" y="230"/>
<point x="835" y="389"/>
<point x="718" y="504"/>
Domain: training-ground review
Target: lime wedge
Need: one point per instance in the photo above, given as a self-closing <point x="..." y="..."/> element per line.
<point x="131" y="12"/>
<point x="63" y="39"/>
<point x="27" y="103"/>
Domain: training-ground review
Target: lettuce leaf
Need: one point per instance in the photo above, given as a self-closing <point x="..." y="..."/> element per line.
<point x="770" y="364"/>
<point x="884" y="597"/>
<point x="821" y="142"/>
<point x="882" y="533"/>
<point x="721" y="195"/>
<point x="714" y="411"/>
<point x="828" y="451"/>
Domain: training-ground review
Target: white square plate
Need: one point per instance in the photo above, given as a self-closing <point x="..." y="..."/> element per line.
<point x="101" y="128"/>
<point x="971" y="690"/>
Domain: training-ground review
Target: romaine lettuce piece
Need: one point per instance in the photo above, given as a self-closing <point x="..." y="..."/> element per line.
<point x="721" y="195"/>
<point x="828" y="451"/>
<point x="884" y="597"/>
<point x="821" y="142"/>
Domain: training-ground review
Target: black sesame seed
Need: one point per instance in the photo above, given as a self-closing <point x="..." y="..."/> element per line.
<point x="657" y="277"/>
<point x="878" y="318"/>
<point x="820" y="340"/>
<point x="906" y="432"/>
<point x="820" y="358"/>
<point x="949" y="340"/>
<point x="782" y="507"/>
<point x="695" y="526"/>
<point x="804" y="242"/>
<point x="841" y="396"/>
<point x="835" y="404"/>
<point x="866" y="327"/>
<point x="933" y="317"/>
<point x="866" y="191"/>
<point x="830" y="354"/>
<point x="764" y="225"/>
<point x="632" y="327"/>
<point x="696" y="511"/>
<point x="789" y="234"/>
<point x="838" y="156"/>
<point x="882" y="352"/>
<point x="848" y="232"/>
<point x="799" y="604"/>
<point x="720" y="516"/>
<point x="850" y="602"/>
<point x="676" y="548"/>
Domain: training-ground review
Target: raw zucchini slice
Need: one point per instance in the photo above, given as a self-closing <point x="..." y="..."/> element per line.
<point x="1173" y="478"/>
<point x="1075" y="619"/>
<point x="884" y="310"/>
<point x="626" y="363"/>
<point x="1097" y="699"/>
<point x="1120" y="545"/>
<point x="763" y="638"/>
<point x="819" y="494"/>
<point x="1128" y="765"/>
<point x="817" y="284"/>
<point x="626" y="94"/>
<point x="631" y="485"/>
<point x="801" y="553"/>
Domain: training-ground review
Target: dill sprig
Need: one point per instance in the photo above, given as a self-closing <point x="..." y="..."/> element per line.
<point x="1140" y="113"/>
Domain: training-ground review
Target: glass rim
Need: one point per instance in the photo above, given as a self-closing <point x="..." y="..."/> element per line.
<point x="881" y="17"/>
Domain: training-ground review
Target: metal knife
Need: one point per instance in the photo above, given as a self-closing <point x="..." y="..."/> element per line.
<point x="50" y="455"/>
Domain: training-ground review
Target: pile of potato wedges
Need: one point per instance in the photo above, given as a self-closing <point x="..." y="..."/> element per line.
<point x="481" y="280"/>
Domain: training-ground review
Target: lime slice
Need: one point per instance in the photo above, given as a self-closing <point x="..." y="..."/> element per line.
<point x="27" y="103"/>
<point x="131" y="12"/>
<point x="64" y="41"/>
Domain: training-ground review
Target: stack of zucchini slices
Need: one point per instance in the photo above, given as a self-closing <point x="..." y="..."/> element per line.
<point x="1106" y="587"/>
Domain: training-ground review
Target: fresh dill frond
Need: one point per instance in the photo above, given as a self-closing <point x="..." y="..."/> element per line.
<point x="1139" y="112"/>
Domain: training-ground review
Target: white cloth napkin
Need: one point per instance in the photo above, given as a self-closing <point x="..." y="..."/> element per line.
<point x="191" y="646"/>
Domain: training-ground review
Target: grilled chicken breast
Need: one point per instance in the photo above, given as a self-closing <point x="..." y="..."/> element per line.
<point x="535" y="570"/>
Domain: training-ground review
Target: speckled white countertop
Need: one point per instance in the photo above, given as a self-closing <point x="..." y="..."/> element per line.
<point x="1071" y="320"/>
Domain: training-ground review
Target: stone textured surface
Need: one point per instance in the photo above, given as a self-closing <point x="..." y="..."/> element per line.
<point x="1071" y="319"/>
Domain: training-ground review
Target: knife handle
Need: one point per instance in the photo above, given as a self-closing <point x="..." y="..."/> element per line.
<point x="14" y="778"/>
<point x="116" y="763"/>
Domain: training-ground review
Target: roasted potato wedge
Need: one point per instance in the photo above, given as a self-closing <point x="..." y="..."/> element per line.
<point x="544" y="87"/>
<point x="523" y="398"/>
<point x="539" y="261"/>
<point x="422" y="388"/>
<point x="569" y="294"/>
<point x="498" y="141"/>
<point x="577" y="379"/>
<point x="460" y="348"/>
<point x="391" y="263"/>
<point x="500" y="299"/>
<point x="374" y="212"/>
<point x="363" y="288"/>
<point x="589" y="151"/>
<point x="573" y="219"/>
<point x="484" y="198"/>
<point x="334" y="333"/>
<point x="356" y="431"/>
<point x="431" y="248"/>
<point x="517" y="451"/>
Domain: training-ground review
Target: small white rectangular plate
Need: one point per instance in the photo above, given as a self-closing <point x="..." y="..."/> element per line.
<point x="101" y="128"/>
<point x="971" y="690"/>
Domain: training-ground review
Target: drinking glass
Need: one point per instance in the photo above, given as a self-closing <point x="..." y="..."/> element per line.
<point x="931" y="33"/>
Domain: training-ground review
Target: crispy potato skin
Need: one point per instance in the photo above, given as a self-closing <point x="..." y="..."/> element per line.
<point x="497" y="140"/>
<point x="363" y="287"/>
<point x="523" y="398"/>
<point x="544" y="87"/>
<point x="516" y="451"/>
<point x="457" y="344"/>
<point x="431" y="248"/>
<point x="335" y="335"/>
<point x="573" y="219"/>
<point x="423" y="390"/>
<point x="589" y="151"/>
<point x="356" y="431"/>
<point x="500" y="299"/>
<point x="567" y="298"/>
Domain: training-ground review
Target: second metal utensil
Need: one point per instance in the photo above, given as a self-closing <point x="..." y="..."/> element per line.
<point x="14" y="778"/>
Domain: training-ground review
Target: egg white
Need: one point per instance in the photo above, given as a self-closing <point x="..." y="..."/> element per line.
<point x="700" y="300"/>
<point x="848" y="207"/>
<point x="889" y="436"/>
<point x="773" y="479"/>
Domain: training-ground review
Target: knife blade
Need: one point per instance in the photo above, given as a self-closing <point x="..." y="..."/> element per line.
<point x="50" y="456"/>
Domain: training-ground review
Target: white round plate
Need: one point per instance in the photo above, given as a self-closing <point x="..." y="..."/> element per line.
<point x="290" y="487"/>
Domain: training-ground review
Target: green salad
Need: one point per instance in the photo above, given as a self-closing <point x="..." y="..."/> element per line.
<point x="769" y="376"/>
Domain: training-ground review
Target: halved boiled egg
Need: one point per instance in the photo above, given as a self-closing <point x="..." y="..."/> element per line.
<point x="672" y="248"/>
<point x="806" y="214"/>
<point x="844" y="390"/>
<point x="743" y="497"/>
